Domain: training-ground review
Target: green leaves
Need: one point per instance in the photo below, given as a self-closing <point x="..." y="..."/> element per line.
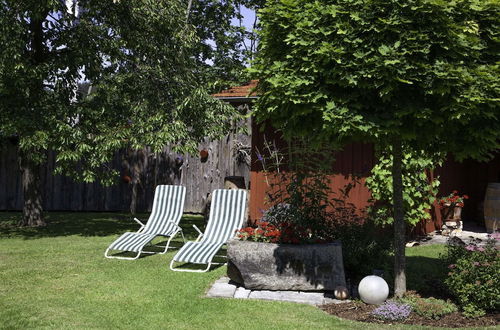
<point x="418" y="192"/>
<point x="425" y="70"/>
<point x="124" y="74"/>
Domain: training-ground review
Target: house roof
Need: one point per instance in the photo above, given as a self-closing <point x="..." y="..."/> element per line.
<point x="239" y="93"/>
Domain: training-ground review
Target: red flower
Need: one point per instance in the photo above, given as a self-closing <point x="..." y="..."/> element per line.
<point x="455" y="192"/>
<point x="465" y="197"/>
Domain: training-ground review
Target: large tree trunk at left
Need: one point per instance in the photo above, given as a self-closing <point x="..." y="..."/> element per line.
<point x="31" y="183"/>
<point x="399" y="221"/>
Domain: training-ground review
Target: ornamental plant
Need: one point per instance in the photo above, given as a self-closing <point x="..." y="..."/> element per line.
<point x="392" y="311"/>
<point x="299" y="192"/>
<point x="474" y="276"/>
<point x="263" y="232"/>
<point x="284" y="232"/>
<point x="430" y="308"/>
<point x="453" y="199"/>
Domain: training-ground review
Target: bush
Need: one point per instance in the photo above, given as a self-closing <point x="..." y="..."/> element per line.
<point x="365" y="247"/>
<point x="392" y="311"/>
<point x="430" y="308"/>
<point x="473" y="276"/>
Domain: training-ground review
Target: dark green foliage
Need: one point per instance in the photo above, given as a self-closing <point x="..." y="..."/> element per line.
<point x="474" y="277"/>
<point x="365" y="247"/>
<point x="138" y="57"/>
<point x="430" y="308"/>
<point x="302" y="187"/>
<point x="225" y="46"/>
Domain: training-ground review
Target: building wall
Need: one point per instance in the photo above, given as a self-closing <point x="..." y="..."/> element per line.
<point x="349" y="171"/>
<point x="352" y="165"/>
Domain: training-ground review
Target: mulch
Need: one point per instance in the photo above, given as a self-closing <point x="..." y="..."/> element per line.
<point x="359" y="311"/>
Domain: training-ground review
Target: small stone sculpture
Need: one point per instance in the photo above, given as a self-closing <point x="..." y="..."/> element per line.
<point x="341" y="292"/>
<point x="373" y="290"/>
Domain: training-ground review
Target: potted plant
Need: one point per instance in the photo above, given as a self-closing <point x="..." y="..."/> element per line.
<point x="451" y="208"/>
<point x="281" y="255"/>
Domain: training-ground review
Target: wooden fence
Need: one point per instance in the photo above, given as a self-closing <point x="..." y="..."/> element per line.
<point x="141" y="171"/>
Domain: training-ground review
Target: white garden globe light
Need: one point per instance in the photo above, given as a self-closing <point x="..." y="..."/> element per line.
<point x="373" y="290"/>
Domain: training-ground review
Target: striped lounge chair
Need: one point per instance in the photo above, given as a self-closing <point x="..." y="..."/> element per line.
<point x="227" y="214"/>
<point x="164" y="220"/>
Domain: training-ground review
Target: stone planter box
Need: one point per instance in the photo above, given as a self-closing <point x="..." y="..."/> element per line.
<point x="269" y="266"/>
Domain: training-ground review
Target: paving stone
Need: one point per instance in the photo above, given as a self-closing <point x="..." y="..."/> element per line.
<point x="311" y="298"/>
<point x="225" y="290"/>
<point x="242" y="293"/>
<point x="223" y="279"/>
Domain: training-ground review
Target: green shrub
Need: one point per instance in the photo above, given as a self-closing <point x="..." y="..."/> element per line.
<point x="365" y="247"/>
<point x="430" y="308"/>
<point x="474" y="277"/>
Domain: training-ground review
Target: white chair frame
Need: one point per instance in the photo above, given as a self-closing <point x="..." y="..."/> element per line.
<point x="179" y="230"/>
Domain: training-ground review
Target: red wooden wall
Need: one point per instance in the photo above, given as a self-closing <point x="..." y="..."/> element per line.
<point x="350" y="169"/>
<point x="353" y="165"/>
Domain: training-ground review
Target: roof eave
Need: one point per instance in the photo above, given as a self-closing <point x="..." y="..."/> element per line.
<point x="237" y="98"/>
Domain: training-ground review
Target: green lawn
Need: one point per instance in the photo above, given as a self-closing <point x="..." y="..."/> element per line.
<point x="57" y="277"/>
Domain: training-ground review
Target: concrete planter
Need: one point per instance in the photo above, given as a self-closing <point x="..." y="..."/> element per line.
<point x="268" y="266"/>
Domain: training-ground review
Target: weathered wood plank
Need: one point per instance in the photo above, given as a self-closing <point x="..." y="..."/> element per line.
<point x="63" y="194"/>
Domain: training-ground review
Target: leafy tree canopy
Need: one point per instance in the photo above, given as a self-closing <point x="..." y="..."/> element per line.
<point x="423" y="74"/>
<point x="425" y="70"/>
<point x="226" y="46"/>
<point x="139" y="57"/>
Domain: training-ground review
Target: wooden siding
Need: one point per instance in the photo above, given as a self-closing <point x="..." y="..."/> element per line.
<point x="61" y="193"/>
<point x="349" y="170"/>
<point x="353" y="165"/>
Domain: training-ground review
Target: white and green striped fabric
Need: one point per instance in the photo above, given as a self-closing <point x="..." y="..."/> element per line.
<point x="164" y="220"/>
<point x="227" y="214"/>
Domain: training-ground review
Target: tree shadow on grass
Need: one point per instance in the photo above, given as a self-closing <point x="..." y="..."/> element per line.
<point x="426" y="275"/>
<point x="85" y="224"/>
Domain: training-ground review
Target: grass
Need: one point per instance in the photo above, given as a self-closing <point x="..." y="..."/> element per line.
<point x="57" y="277"/>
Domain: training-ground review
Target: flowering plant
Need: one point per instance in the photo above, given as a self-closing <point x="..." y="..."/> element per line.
<point x="473" y="276"/>
<point x="264" y="232"/>
<point x="453" y="199"/>
<point x="392" y="311"/>
<point x="284" y="232"/>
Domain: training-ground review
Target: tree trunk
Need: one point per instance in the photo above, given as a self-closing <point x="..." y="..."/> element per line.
<point x="31" y="183"/>
<point x="399" y="221"/>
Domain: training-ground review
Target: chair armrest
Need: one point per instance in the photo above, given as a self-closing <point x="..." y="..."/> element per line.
<point x="175" y="225"/>
<point x="139" y="222"/>
<point x="200" y="234"/>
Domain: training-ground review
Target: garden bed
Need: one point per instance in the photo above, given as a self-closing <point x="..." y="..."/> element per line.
<point x="361" y="312"/>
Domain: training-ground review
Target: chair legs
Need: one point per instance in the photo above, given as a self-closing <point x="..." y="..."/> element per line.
<point x="170" y="238"/>
<point x="107" y="255"/>
<point x="189" y="270"/>
<point x="123" y="258"/>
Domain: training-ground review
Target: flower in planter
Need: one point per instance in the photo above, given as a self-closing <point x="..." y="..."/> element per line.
<point x="287" y="233"/>
<point x="453" y="199"/>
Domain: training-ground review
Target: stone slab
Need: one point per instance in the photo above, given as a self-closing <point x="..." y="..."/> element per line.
<point x="222" y="290"/>
<point x="225" y="288"/>
<point x="290" y="296"/>
<point x="241" y="293"/>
